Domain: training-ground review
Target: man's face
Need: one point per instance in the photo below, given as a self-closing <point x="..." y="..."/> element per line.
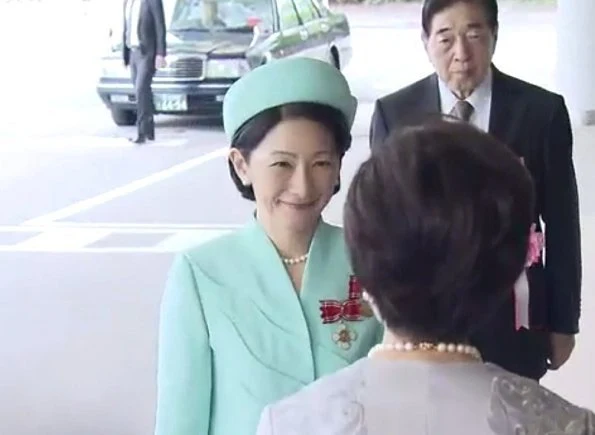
<point x="460" y="46"/>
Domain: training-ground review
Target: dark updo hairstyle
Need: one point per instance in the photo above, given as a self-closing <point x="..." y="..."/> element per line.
<point x="249" y="136"/>
<point x="437" y="226"/>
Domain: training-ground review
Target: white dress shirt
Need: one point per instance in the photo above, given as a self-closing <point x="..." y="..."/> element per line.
<point x="480" y="99"/>
<point x="132" y="17"/>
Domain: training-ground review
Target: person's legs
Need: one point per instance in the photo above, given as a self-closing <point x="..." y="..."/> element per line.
<point x="143" y="69"/>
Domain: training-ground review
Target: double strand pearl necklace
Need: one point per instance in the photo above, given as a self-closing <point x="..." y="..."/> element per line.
<point x="462" y="349"/>
<point x="295" y="260"/>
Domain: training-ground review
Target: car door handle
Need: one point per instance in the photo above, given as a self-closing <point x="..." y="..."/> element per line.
<point x="304" y="34"/>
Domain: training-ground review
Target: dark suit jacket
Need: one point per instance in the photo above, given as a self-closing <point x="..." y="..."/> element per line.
<point x="151" y="30"/>
<point x="535" y="124"/>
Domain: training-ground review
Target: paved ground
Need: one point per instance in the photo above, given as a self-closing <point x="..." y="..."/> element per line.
<point x="88" y="223"/>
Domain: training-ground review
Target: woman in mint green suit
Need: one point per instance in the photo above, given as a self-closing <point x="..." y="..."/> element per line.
<point x="257" y="314"/>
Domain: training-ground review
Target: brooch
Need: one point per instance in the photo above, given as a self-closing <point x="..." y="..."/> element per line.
<point x="352" y="309"/>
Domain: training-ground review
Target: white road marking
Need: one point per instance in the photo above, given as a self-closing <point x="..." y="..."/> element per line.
<point x="18" y="144"/>
<point x="184" y="239"/>
<point x="79" y="239"/>
<point x="84" y="250"/>
<point x="126" y="189"/>
<point x="64" y="238"/>
<point x="114" y="227"/>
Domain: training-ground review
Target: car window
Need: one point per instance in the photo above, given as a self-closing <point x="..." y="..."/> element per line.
<point x="306" y="10"/>
<point x="287" y="14"/>
<point x="321" y="8"/>
<point x="213" y="15"/>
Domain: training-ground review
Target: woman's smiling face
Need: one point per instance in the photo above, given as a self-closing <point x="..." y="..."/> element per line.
<point x="293" y="173"/>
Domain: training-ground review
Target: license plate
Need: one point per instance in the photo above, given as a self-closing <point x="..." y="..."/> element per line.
<point x="119" y="98"/>
<point x="170" y="103"/>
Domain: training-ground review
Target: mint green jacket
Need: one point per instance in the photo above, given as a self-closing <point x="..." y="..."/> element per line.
<point x="235" y="336"/>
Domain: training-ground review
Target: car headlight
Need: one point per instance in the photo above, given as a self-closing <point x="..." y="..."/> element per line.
<point x="227" y="68"/>
<point x="114" y="68"/>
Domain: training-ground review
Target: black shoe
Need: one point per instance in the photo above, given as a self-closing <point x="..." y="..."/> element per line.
<point x="138" y="140"/>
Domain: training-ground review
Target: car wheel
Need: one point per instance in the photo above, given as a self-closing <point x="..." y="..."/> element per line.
<point x="123" y="117"/>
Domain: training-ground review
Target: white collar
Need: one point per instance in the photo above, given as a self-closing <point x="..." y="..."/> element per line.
<point x="478" y="98"/>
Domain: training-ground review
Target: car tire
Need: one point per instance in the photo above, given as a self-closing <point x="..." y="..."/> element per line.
<point x="123" y="117"/>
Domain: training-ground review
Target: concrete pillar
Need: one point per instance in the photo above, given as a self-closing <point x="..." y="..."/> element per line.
<point x="575" y="67"/>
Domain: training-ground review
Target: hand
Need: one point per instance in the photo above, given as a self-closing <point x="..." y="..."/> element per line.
<point x="160" y="62"/>
<point x="561" y="346"/>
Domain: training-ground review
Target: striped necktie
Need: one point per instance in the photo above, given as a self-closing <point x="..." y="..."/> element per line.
<point x="462" y="110"/>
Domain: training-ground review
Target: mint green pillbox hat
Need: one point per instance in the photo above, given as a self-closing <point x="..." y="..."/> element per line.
<point x="283" y="81"/>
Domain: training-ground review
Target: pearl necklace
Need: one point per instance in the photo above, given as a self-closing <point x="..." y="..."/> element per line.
<point x="295" y="260"/>
<point x="427" y="347"/>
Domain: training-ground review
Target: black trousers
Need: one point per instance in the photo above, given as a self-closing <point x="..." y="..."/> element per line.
<point x="142" y="68"/>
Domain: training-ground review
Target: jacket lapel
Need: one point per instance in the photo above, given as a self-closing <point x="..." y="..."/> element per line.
<point x="429" y="101"/>
<point x="507" y="110"/>
<point x="287" y="333"/>
<point x="274" y="290"/>
<point x="326" y="276"/>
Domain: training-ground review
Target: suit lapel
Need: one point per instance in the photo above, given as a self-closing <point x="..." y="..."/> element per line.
<point x="325" y="276"/>
<point x="297" y="315"/>
<point x="316" y="272"/>
<point x="507" y="110"/>
<point x="429" y="102"/>
<point x="143" y="9"/>
<point x="274" y="289"/>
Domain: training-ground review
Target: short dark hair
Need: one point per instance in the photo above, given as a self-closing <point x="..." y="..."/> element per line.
<point x="432" y="7"/>
<point x="249" y="136"/>
<point x="437" y="227"/>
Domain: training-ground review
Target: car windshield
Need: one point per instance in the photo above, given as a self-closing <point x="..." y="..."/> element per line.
<point x="214" y="15"/>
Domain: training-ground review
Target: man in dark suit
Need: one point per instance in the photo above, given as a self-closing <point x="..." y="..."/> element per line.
<point x="144" y="50"/>
<point x="460" y="38"/>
